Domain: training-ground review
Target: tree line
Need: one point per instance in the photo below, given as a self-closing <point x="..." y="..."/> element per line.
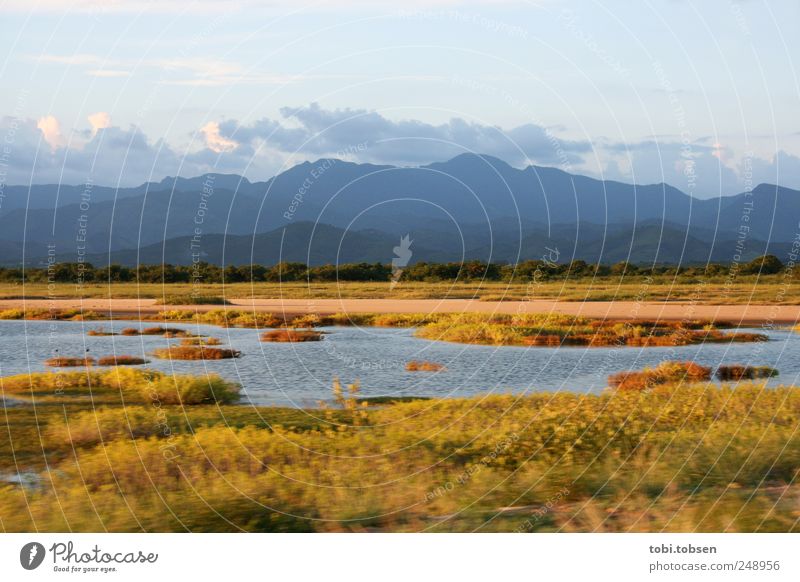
<point x="372" y="272"/>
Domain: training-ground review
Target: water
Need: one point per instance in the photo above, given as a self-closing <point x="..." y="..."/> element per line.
<point x="301" y="374"/>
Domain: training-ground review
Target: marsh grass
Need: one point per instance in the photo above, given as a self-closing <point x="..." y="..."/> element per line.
<point x="195" y="353"/>
<point x="747" y="289"/>
<point x="99" y="332"/>
<point x="121" y="360"/>
<point x="65" y="362"/>
<point x="193" y="300"/>
<point x="675" y="458"/>
<point x="743" y="372"/>
<point x="200" y="341"/>
<point x="664" y="373"/>
<point x="557" y="330"/>
<point x="54" y="314"/>
<point x="119" y="384"/>
<point x="424" y="366"/>
<point x="292" y="335"/>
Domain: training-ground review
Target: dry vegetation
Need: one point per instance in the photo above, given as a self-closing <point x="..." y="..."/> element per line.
<point x="66" y="362"/>
<point x="558" y="330"/>
<point x="745" y="289"/>
<point x="673" y="458"/>
<point x="744" y="372"/>
<point x="200" y="341"/>
<point x="424" y="366"/>
<point x="664" y="373"/>
<point x="292" y="335"/>
<point x="195" y="353"/>
<point x="121" y="360"/>
<point x="129" y="384"/>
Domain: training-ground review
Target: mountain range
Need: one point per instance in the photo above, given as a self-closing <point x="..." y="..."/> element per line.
<point x="334" y="211"/>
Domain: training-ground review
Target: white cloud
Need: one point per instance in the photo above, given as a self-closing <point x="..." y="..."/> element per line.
<point x="99" y="120"/>
<point x="214" y="141"/>
<point x="51" y="129"/>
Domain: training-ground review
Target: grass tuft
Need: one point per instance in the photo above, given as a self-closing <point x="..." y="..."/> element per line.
<point x="664" y="373"/>
<point x="292" y="335"/>
<point x="743" y="372"/>
<point x="424" y="366"/>
<point x="195" y="353"/>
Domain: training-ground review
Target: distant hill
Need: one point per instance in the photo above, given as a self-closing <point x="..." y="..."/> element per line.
<point x="469" y="207"/>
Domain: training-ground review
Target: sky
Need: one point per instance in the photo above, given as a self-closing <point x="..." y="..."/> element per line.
<point x="703" y="95"/>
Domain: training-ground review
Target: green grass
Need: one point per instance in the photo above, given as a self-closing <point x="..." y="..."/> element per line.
<point x="677" y="458"/>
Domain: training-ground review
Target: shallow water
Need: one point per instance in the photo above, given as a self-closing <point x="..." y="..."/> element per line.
<point x="300" y="374"/>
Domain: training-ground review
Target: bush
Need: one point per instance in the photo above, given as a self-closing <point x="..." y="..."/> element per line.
<point x="743" y="372"/>
<point x="62" y="362"/>
<point x="200" y="341"/>
<point x="664" y="373"/>
<point x="193" y="300"/>
<point x="291" y="335"/>
<point x="121" y="361"/>
<point x="104" y="424"/>
<point x="100" y="332"/>
<point x="135" y="385"/>
<point x="195" y="353"/>
<point x="424" y="366"/>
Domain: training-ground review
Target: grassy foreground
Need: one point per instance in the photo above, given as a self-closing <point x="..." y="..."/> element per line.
<point x="743" y="289"/>
<point x="673" y="458"/>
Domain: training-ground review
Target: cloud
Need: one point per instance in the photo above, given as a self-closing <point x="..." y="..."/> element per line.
<point x="51" y="130"/>
<point x="185" y="71"/>
<point x="313" y="130"/>
<point x="214" y="141"/>
<point x="110" y="155"/>
<point x="99" y="120"/>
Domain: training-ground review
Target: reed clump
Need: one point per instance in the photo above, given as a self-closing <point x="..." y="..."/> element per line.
<point x="195" y="353"/>
<point x="121" y="360"/>
<point x="99" y="332"/>
<point x="664" y="373"/>
<point x="193" y="300"/>
<point x="225" y="318"/>
<point x="424" y="366"/>
<point x="200" y="341"/>
<point x="66" y="362"/>
<point x="134" y="385"/>
<point x="292" y="335"/>
<point x="743" y="372"/>
<point x="54" y="314"/>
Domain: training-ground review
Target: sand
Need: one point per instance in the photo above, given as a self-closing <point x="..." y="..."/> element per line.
<point x="624" y="310"/>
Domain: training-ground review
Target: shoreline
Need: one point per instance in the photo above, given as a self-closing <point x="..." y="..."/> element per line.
<point x="741" y="314"/>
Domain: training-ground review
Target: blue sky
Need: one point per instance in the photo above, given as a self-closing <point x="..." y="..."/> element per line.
<point x="703" y="95"/>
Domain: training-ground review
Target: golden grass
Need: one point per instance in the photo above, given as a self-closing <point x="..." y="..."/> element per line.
<point x="64" y="362"/>
<point x="719" y="289"/>
<point x="200" y="341"/>
<point x="424" y="366"/>
<point x="292" y="335"/>
<point x="557" y="330"/>
<point x="664" y="373"/>
<point x="130" y="384"/>
<point x="195" y="353"/>
<point x="683" y="458"/>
